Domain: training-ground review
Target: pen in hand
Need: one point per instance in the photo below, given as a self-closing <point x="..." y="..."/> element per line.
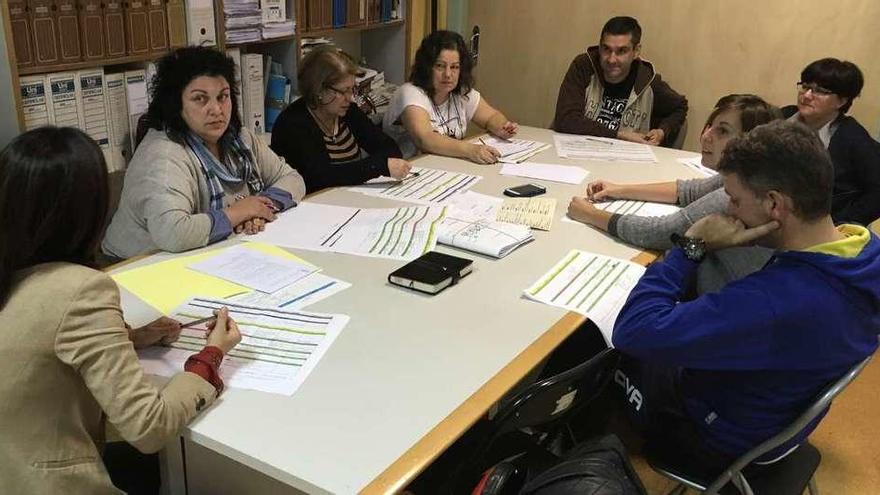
<point x="193" y="323"/>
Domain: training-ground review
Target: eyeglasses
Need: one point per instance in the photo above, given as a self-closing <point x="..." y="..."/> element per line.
<point x="353" y="91"/>
<point x="815" y="88"/>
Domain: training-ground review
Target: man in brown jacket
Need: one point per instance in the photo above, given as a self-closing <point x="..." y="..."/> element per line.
<point x="610" y="92"/>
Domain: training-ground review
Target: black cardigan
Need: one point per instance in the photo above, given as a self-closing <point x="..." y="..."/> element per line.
<point x="297" y="137"/>
<point x="856" y="158"/>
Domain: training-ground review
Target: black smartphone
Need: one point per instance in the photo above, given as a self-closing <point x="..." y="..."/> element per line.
<point x="525" y="190"/>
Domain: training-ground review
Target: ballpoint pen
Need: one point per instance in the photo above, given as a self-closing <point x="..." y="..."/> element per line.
<point x="193" y="323"/>
<point x="609" y="143"/>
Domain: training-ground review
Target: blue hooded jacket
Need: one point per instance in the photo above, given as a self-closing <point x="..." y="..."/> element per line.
<point x="756" y="354"/>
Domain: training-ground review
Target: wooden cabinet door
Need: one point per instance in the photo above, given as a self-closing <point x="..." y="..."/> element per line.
<point x="114" y="28"/>
<point x="44" y="26"/>
<point x="158" y="26"/>
<point x="137" y="27"/>
<point x="91" y="28"/>
<point x="21" y="33"/>
<point x="68" y="31"/>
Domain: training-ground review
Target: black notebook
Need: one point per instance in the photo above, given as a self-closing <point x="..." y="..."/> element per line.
<point x="431" y="272"/>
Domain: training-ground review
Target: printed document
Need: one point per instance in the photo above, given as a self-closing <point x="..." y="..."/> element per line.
<point x="590" y="284"/>
<point x="696" y="163"/>
<point x="513" y="150"/>
<point x="482" y="236"/>
<point x="278" y="349"/>
<point x="397" y="233"/>
<point x="299" y="294"/>
<point x="597" y="148"/>
<point x="556" y="173"/>
<point x="534" y="212"/>
<point x="260" y="271"/>
<point x="425" y="186"/>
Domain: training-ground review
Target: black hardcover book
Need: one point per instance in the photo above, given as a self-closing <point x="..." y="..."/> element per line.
<point x="431" y="272"/>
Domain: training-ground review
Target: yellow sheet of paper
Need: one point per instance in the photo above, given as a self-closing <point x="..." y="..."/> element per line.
<point x="167" y="284"/>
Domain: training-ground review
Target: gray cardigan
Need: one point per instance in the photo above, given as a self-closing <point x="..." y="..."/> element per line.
<point x="698" y="198"/>
<point x="165" y="197"/>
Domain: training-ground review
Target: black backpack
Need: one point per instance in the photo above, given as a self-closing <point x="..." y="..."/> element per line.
<point x="596" y="467"/>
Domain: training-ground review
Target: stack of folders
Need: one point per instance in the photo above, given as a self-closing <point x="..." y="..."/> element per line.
<point x="492" y="238"/>
<point x="431" y="272"/>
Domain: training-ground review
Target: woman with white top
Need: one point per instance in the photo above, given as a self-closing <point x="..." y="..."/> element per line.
<point x="431" y="112"/>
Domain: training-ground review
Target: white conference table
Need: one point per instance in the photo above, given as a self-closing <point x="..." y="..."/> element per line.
<point x="410" y="372"/>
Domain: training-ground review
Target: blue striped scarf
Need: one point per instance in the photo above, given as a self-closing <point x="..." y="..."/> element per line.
<point x="237" y="166"/>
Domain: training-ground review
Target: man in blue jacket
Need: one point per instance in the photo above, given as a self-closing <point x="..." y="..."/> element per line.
<point x="713" y="377"/>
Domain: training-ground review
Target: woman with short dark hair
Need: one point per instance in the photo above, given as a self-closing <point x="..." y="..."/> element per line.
<point x="66" y="355"/>
<point x="432" y="111"/>
<point x="198" y="175"/>
<point x="826" y="92"/>
<point x="325" y="136"/>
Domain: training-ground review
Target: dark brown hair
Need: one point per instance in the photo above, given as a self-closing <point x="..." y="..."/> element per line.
<point x="623" y="25"/>
<point x="754" y="111"/>
<point x="427" y="55"/>
<point x="787" y="157"/>
<point x="53" y="200"/>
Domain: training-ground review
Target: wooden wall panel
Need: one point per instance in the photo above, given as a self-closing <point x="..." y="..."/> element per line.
<point x="704" y="49"/>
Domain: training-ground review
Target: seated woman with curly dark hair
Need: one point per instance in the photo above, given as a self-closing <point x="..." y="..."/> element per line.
<point x="198" y="175"/>
<point x="325" y="136"/>
<point x="432" y="111"/>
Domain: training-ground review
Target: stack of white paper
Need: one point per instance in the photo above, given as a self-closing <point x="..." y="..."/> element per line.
<point x="596" y="148"/>
<point x="278" y="29"/>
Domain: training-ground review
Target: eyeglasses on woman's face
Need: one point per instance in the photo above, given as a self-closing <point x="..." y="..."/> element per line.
<point x="814" y="88"/>
<point x="349" y="92"/>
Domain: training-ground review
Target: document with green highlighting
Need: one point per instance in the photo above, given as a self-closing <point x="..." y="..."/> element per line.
<point x="590" y="284"/>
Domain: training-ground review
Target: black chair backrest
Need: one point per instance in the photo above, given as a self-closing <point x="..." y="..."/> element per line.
<point x="552" y="399"/>
<point x="143" y="125"/>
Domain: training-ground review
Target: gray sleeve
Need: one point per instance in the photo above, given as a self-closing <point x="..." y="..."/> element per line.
<point x="274" y="170"/>
<point x="690" y="190"/>
<point x="170" y="206"/>
<point x="654" y="232"/>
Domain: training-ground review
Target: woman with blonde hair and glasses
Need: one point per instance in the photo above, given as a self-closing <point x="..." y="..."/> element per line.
<point x="325" y="136"/>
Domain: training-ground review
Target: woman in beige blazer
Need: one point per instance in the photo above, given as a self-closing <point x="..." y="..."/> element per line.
<point x="66" y="356"/>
